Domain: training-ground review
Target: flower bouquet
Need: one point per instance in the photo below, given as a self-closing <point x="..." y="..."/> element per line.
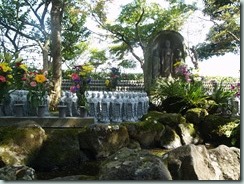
<point x="6" y="80"/>
<point x="113" y="80"/>
<point x="37" y="84"/>
<point x="81" y="78"/>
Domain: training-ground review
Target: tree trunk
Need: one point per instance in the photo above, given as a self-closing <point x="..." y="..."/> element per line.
<point x="56" y="17"/>
<point x="45" y="55"/>
<point x="147" y="69"/>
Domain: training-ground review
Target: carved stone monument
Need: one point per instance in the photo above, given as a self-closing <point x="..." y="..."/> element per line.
<point x="163" y="52"/>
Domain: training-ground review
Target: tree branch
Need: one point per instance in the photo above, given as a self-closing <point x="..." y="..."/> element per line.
<point x="230" y="33"/>
<point x="137" y="29"/>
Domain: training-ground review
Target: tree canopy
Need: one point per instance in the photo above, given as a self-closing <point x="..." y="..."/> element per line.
<point x="139" y="22"/>
<point x="224" y="35"/>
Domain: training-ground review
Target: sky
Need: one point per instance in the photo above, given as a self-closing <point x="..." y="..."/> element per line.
<point x="194" y="32"/>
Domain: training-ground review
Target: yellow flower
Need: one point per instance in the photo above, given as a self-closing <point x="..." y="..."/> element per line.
<point x="82" y="73"/>
<point x="5" y="67"/>
<point x="40" y="78"/>
<point x="10" y="76"/>
<point x="87" y="68"/>
<point x="178" y="63"/>
<point x="107" y="82"/>
<point x="23" y="66"/>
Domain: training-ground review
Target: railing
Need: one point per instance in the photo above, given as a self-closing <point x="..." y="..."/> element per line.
<point x="99" y="85"/>
<point x="135" y="85"/>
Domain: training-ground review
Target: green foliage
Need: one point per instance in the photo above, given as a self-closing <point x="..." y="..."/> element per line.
<point x="73" y="30"/>
<point x="224" y="35"/>
<point x="139" y="22"/>
<point x="221" y="98"/>
<point x="98" y="57"/>
<point x="191" y="94"/>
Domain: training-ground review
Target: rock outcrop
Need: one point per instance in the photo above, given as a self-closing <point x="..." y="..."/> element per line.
<point x="131" y="164"/>
<point x="191" y="162"/>
<point x="101" y="140"/>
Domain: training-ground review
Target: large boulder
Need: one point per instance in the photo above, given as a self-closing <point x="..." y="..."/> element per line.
<point x="191" y="162"/>
<point x="131" y="164"/>
<point x="219" y="130"/>
<point x="227" y="161"/>
<point x="20" y="144"/>
<point x="189" y="134"/>
<point x="99" y="141"/>
<point x="60" y="151"/>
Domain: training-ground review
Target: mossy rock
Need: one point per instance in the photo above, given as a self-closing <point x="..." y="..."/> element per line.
<point x="170" y="139"/>
<point x="221" y="130"/>
<point x="195" y="115"/>
<point x="152" y="114"/>
<point x="172" y="119"/>
<point x="60" y="151"/>
<point x="189" y="134"/>
<point x="98" y="141"/>
<point x="20" y="145"/>
<point x="147" y="132"/>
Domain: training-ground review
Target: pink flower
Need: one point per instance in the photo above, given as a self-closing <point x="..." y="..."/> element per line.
<point x="2" y="78"/>
<point x="73" y="89"/>
<point x="75" y="77"/>
<point x="232" y="87"/>
<point x="33" y="84"/>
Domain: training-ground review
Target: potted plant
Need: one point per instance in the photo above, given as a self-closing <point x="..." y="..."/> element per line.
<point x="81" y="78"/>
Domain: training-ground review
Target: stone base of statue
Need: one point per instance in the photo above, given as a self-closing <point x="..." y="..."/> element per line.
<point x="19" y="110"/>
<point x="62" y="111"/>
<point x="83" y="111"/>
<point x="41" y="111"/>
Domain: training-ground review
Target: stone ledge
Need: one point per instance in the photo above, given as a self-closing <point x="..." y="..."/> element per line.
<point x="48" y="121"/>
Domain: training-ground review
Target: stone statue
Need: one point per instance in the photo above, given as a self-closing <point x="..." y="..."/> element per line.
<point x="166" y="60"/>
<point x="117" y="104"/>
<point x="93" y="102"/>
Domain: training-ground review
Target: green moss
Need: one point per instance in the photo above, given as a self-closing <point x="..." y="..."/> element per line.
<point x="227" y="129"/>
<point x="8" y="159"/>
<point x="146" y="125"/>
<point x="221" y="130"/>
<point x="152" y="115"/>
<point x="26" y="138"/>
<point x="195" y="115"/>
<point x="190" y="128"/>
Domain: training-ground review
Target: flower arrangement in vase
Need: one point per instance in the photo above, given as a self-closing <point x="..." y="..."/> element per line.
<point x="38" y="86"/>
<point x="81" y="78"/>
<point x="113" y="80"/>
